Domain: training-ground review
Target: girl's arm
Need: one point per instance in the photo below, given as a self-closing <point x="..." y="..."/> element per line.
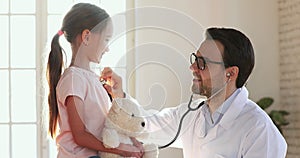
<point x="86" y="139"/>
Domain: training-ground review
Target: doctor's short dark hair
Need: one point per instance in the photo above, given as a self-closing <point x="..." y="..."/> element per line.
<point x="238" y="51"/>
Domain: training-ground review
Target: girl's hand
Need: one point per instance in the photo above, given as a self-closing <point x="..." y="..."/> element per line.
<point x="113" y="83"/>
<point x="127" y="150"/>
<point x="137" y="144"/>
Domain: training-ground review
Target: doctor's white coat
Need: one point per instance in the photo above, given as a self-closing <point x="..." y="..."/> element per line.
<point x="245" y="131"/>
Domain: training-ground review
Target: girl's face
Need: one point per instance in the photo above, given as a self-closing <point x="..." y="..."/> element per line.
<point x="99" y="43"/>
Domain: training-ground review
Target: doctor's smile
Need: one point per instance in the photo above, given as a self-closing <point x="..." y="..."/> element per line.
<point x="197" y="80"/>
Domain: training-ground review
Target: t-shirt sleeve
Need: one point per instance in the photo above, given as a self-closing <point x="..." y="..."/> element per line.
<point x="71" y="84"/>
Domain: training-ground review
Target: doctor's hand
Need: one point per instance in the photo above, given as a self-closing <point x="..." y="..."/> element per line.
<point x="113" y="83"/>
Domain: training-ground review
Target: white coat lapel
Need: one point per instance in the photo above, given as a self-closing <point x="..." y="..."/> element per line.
<point x="211" y="135"/>
<point x="228" y="118"/>
<point x="200" y="125"/>
<point x="235" y="109"/>
<point x="201" y="131"/>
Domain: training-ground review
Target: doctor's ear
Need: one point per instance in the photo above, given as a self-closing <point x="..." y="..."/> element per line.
<point x="232" y="72"/>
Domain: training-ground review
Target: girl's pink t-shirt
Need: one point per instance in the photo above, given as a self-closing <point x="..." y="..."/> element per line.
<point x="85" y="85"/>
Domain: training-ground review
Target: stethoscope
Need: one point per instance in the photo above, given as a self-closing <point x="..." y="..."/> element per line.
<point x="190" y="108"/>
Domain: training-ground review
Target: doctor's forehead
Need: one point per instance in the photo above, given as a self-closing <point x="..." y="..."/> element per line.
<point x="211" y="49"/>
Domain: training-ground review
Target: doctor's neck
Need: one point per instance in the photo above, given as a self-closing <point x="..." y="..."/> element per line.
<point x="216" y="101"/>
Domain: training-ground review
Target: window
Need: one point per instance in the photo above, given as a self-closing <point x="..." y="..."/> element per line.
<point x="27" y="27"/>
<point x="18" y="103"/>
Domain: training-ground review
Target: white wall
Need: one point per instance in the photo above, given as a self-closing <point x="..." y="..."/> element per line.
<point x="168" y="76"/>
<point x="257" y="19"/>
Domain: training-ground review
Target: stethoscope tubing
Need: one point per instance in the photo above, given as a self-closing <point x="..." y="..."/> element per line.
<point x="181" y="120"/>
<point x="189" y="110"/>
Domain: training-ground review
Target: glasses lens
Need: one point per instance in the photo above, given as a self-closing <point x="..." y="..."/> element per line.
<point x="199" y="61"/>
<point x="192" y="58"/>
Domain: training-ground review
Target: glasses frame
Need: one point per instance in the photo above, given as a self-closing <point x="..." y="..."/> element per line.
<point x="204" y="60"/>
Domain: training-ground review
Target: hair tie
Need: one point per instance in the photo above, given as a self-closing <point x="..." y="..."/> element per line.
<point x="60" y="32"/>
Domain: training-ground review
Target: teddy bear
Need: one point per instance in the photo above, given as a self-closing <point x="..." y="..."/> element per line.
<point x="124" y="121"/>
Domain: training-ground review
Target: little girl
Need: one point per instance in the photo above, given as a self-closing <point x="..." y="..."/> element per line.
<point x="78" y="103"/>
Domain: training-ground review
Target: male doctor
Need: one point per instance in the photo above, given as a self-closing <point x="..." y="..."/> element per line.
<point x="228" y="125"/>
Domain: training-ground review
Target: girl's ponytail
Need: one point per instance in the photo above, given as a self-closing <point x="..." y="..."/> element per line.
<point x="54" y="70"/>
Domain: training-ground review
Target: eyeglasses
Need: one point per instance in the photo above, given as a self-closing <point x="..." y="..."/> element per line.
<point x="202" y="61"/>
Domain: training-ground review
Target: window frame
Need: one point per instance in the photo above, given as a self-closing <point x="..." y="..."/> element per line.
<point x="10" y="70"/>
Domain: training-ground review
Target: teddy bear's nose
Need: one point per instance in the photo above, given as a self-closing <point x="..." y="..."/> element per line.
<point x="143" y="124"/>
